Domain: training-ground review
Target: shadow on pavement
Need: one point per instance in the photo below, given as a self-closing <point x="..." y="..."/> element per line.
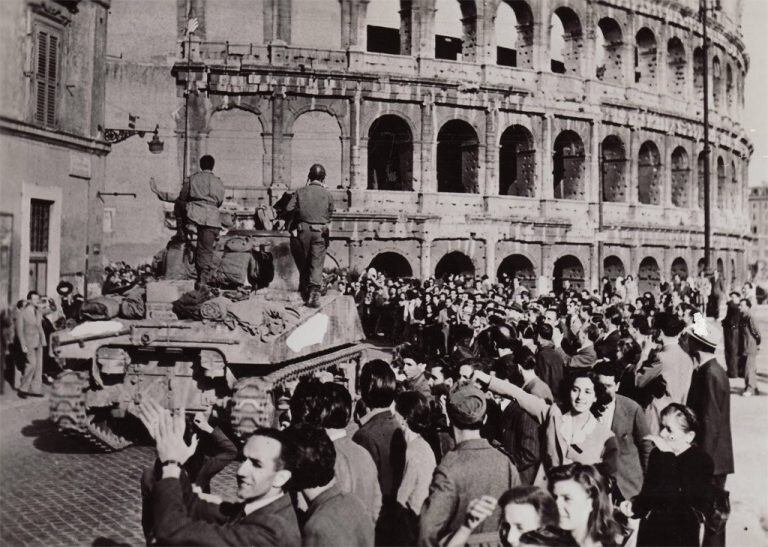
<point x="48" y="438"/>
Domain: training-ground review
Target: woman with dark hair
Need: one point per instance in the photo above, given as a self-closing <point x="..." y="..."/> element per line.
<point x="628" y="353"/>
<point x="413" y="413"/>
<point x="573" y="431"/>
<point x="581" y="495"/>
<point x="676" y="492"/>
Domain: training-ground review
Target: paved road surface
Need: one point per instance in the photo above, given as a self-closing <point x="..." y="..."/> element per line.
<point x="55" y="491"/>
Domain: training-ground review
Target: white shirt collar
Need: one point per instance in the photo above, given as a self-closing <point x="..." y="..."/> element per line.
<point x="607" y="416"/>
<point x="336" y="434"/>
<point x="371" y="413"/>
<point x="263" y="502"/>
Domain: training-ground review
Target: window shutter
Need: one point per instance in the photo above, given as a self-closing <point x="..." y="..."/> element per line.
<point x="53" y="51"/>
<point x="46" y="77"/>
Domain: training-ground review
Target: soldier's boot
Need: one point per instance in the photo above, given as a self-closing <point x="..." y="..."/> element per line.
<point x="314" y="299"/>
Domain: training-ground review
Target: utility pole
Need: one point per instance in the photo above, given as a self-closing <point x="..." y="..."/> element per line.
<point x="707" y="223"/>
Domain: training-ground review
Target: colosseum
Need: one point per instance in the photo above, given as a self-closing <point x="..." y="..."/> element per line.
<point x="546" y="138"/>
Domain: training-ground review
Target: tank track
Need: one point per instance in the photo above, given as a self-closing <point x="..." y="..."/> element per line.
<point x="69" y="413"/>
<point x="253" y="404"/>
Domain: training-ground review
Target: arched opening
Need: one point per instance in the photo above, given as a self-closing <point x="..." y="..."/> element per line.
<point x="734" y="274"/>
<point x="235" y="142"/>
<point x="613" y="267"/>
<point x="717" y="82"/>
<point x="566" y="42"/>
<point x="681" y="173"/>
<point x="701" y="265"/>
<point x="315" y="24"/>
<point x="721" y="268"/>
<point x="700" y="164"/>
<point x="679" y="267"/>
<point x="698" y="74"/>
<point x="649" y="174"/>
<point x="735" y="192"/>
<point x="316" y="139"/>
<point x="454" y="263"/>
<point x="568" y="267"/>
<point x="520" y="267"/>
<point x="676" y="67"/>
<point x="645" y="58"/>
<point x="517" y="163"/>
<point x="649" y="275"/>
<point x="568" y="166"/>
<point x="729" y="86"/>
<point x="220" y="26"/>
<point x="610" y="43"/>
<point x="455" y="30"/>
<point x="391" y="264"/>
<point x="457" y="158"/>
<point x="721" y="183"/>
<point x="514" y="34"/>
<point x="613" y="169"/>
<point x="384" y="28"/>
<point x="390" y="154"/>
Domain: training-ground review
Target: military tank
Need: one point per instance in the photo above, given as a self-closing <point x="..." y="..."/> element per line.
<point x="245" y="366"/>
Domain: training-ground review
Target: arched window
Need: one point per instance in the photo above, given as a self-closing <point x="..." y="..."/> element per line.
<point x="235" y="142"/>
<point x="566" y="42"/>
<point x="721" y="184"/>
<point x="649" y="174"/>
<point x="569" y="268"/>
<point x="700" y="164"/>
<point x="698" y="74"/>
<point x="613" y="169"/>
<point x="384" y="28"/>
<point x="681" y="172"/>
<point x="390" y="154"/>
<point x="457" y="158"/>
<point x="568" y="166"/>
<point x="608" y="49"/>
<point x="316" y="139"/>
<point x="729" y="86"/>
<point x="514" y="34"/>
<point x="676" y="67"/>
<point x="520" y="267"/>
<point x="456" y="263"/>
<point x="649" y="275"/>
<point x="517" y="163"/>
<point x="455" y="30"/>
<point x="735" y="189"/>
<point x="613" y="267"/>
<point x="645" y="58"/>
<point x="391" y="264"/>
<point x="680" y="267"/>
<point x="717" y="81"/>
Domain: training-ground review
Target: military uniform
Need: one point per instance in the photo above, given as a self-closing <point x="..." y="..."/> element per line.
<point x="312" y="207"/>
<point x="203" y="196"/>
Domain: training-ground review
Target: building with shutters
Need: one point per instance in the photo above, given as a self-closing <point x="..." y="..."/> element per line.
<point x="52" y="159"/>
<point x="535" y="137"/>
<point x="758" y="212"/>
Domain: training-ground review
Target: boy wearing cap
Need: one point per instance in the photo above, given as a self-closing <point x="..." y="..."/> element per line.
<point x="471" y="470"/>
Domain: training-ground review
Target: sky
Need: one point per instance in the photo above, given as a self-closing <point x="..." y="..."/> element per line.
<point x="753" y="22"/>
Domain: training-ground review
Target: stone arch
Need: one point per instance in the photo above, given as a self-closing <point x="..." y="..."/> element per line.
<point x="458" y="158"/>
<point x="392" y="264"/>
<point x="390" y="154"/>
<point x="648" y="275"/>
<point x="646" y="58"/>
<point x="568" y="267"/>
<point x="698" y="73"/>
<point x="729" y="86"/>
<point x="721" y="183"/>
<point x="700" y="165"/>
<point x="517" y="162"/>
<point x="649" y="174"/>
<point x="613" y="267"/>
<point x="459" y="21"/>
<point x="454" y="262"/>
<point x="613" y="169"/>
<point x="568" y="166"/>
<point x="717" y="81"/>
<point x="387" y="27"/>
<point x="609" y="66"/>
<point x="676" y="67"/>
<point x="570" y="42"/>
<point x="679" y="267"/>
<point x="316" y="139"/>
<point x="514" y="46"/>
<point x="234" y="139"/>
<point x="315" y="24"/>
<point x="681" y="174"/>
<point x="297" y="111"/>
<point x="520" y="266"/>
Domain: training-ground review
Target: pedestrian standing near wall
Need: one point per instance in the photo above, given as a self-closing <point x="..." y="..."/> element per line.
<point x="749" y="342"/>
<point x="731" y="334"/>
<point x="29" y="330"/>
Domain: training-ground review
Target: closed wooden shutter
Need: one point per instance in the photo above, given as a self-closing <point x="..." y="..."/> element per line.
<point x="46" y="77"/>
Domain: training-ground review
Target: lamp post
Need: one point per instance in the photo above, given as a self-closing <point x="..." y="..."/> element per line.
<point x="114" y="136"/>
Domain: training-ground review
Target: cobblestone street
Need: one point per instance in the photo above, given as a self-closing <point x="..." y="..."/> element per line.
<point x="58" y="491"/>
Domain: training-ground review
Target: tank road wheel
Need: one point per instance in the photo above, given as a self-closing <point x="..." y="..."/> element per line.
<point x="67" y="408"/>
<point x="252" y="406"/>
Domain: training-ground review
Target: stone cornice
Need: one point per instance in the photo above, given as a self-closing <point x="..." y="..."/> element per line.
<point x="9" y="126"/>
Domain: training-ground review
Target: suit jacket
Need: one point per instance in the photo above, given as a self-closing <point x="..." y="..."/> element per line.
<point x="584" y="358"/>
<point x="520" y="437"/>
<point x="606" y="348"/>
<point x="539" y="388"/>
<point x="749" y="336"/>
<point x="710" y="399"/>
<point x="549" y="367"/>
<point x="29" y="327"/>
<point x="630" y="427"/>
<point x="335" y="519"/>
<point x="356" y="473"/>
<point x="675" y="365"/>
<point x="473" y="469"/>
<point x="195" y="522"/>
<point x="382" y="437"/>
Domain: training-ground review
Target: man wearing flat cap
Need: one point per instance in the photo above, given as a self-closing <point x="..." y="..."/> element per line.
<point x="471" y="470"/>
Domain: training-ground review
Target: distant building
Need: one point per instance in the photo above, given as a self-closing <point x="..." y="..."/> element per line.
<point x="758" y="215"/>
<point x="52" y="159"/>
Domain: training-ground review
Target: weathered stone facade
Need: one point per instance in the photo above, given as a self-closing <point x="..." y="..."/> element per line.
<point x="581" y="157"/>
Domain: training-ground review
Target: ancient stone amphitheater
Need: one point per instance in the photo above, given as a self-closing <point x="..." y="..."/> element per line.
<point x="538" y="137"/>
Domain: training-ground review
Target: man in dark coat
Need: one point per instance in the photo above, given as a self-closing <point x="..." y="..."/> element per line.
<point x="731" y="334"/>
<point x="312" y="207"/>
<point x="607" y="344"/>
<point x="749" y="343"/>
<point x="549" y="362"/>
<point x="263" y="516"/>
<point x="710" y="398"/>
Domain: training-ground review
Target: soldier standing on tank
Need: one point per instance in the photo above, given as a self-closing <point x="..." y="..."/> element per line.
<point x="312" y="207"/>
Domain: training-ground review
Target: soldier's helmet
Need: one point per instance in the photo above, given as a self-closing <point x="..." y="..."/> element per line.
<point x="316" y="172"/>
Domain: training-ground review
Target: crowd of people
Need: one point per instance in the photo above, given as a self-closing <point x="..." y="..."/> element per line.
<point x="577" y="418"/>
